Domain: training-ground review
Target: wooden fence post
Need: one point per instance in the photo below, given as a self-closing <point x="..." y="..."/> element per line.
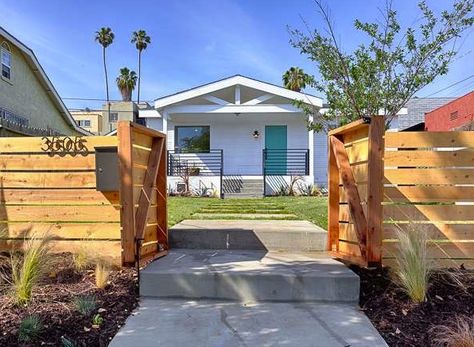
<point x="161" y="198"/>
<point x="124" y="133"/>
<point x="333" y="200"/>
<point x="375" y="191"/>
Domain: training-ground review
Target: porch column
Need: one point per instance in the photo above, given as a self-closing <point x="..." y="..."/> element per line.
<point x="311" y="148"/>
<point x="165" y="122"/>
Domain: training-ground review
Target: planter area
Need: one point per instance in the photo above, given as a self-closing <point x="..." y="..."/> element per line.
<point x="55" y="304"/>
<point x="404" y="323"/>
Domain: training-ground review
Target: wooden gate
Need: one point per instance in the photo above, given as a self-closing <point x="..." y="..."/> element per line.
<point x="48" y="184"/>
<point x="355" y="191"/>
<point x="381" y="181"/>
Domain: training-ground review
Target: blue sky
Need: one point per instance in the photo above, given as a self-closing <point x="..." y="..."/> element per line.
<point x="193" y="41"/>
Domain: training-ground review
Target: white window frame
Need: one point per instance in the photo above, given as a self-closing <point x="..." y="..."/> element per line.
<point x="5" y="47"/>
<point x="83" y="123"/>
<point x="113" y="120"/>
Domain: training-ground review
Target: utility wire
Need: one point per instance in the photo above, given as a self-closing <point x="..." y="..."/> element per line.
<point x="450" y="86"/>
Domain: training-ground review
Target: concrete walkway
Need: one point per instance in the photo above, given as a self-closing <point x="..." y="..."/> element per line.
<point x="205" y="323"/>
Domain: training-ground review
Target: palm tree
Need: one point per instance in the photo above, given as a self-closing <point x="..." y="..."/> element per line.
<point x="141" y="41"/>
<point x="105" y="37"/>
<point x="295" y="79"/>
<point x="126" y="82"/>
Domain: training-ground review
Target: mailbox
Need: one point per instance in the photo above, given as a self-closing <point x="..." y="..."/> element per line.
<point x="106" y="169"/>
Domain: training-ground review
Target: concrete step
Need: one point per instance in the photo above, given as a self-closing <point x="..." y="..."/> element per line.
<point x="249" y="276"/>
<point x="245" y="216"/>
<point x="274" y="235"/>
<point x="242" y="196"/>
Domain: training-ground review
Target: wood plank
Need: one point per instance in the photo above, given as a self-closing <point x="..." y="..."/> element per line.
<point x="161" y="205"/>
<point x="361" y="187"/>
<point x="140" y="156"/>
<point x="428" y="194"/>
<point x="34" y="144"/>
<point x="48" y="179"/>
<point x="78" y="231"/>
<point x="37" y="213"/>
<point x="353" y="198"/>
<point x="144" y="201"/>
<point x="375" y="193"/>
<point x="358" y="152"/>
<point x="109" y="250"/>
<point x="458" y="249"/>
<point x="126" y="193"/>
<point x="141" y="141"/>
<point x="333" y="201"/>
<point x="464" y="158"/>
<point x="429" y="176"/>
<point x="433" y="213"/>
<point x="347" y="232"/>
<point x="350" y="248"/>
<point x="63" y="197"/>
<point x="356" y="136"/>
<point x="345" y="214"/>
<point x="351" y="127"/>
<point x="426" y="139"/>
<point x="45" y="162"/>
<point x="435" y="231"/>
<point x="360" y="172"/>
<point x="138" y="176"/>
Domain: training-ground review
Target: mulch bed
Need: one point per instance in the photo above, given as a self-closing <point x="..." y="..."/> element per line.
<point x="402" y="323"/>
<point x="53" y="303"/>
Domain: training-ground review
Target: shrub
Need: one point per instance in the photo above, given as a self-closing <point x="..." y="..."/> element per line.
<point x="97" y="321"/>
<point x="80" y="258"/>
<point x="458" y="334"/>
<point x="30" y="327"/>
<point x="102" y="272"/>
<point x="85" y="304"/>
<point x="28" y="268"/>
<point x="65" y="342"/>
<point x="413" y="268"/>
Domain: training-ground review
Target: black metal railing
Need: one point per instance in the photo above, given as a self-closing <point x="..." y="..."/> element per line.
<point x="183" y="163"/>
<point x="285" y="162"/>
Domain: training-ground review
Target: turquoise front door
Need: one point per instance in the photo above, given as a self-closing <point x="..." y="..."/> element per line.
<point x="275" y="145"/>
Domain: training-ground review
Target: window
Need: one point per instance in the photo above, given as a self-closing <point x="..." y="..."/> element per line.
<point x="86" y="123"/>
<point x="6" y="61"/>
<point x="113" y="117"/>
<point x="192" y="138"/>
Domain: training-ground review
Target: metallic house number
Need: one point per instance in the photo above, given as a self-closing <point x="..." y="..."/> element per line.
<point x="64" y="145"/>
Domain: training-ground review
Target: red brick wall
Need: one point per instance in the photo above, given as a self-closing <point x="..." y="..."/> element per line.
<point x="453" y="115"/>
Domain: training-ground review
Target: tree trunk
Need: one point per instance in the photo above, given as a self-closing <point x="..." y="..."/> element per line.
<point x="139" y="74"/>
<point x="106" y="83"/>
<point x="126" y="94"/>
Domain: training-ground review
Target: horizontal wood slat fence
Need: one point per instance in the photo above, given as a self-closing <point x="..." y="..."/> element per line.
<point x="380" y="182"/>
<point x="48" y="184"/>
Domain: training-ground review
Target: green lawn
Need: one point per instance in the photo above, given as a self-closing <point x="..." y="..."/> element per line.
<point x="313" y="209"/>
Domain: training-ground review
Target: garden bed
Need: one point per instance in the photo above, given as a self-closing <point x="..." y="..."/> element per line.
<point x="53" y="302"/>
<point x="403" y="323"/>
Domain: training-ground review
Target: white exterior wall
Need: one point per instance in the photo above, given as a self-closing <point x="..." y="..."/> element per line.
<point x="233" y="134"/>
<point x="243" y="153"/>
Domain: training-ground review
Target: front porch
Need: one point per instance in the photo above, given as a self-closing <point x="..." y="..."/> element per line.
<point x="203" y="171"/>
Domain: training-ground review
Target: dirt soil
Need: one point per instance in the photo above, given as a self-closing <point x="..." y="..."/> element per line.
<point x="53" y="302"/>
<point x="402" y="323"/>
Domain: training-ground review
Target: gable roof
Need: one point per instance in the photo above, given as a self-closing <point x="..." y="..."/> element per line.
<point x="37" y="69"/>
<point x="232" y="81"/>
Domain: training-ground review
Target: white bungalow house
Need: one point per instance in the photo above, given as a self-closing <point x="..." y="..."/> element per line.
<point x="238" y="136"/>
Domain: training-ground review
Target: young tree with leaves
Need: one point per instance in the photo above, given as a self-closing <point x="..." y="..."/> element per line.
<point x="105" y="37"/>
<point x="379" y="77"/>
<point x="141" y="41"/>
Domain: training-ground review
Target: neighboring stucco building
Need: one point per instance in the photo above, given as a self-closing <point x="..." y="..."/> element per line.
<point x="455" y="115"/>
<point x="29" y="103"/>
<point x="119" y="110"/>
<point x="89" y="120"/>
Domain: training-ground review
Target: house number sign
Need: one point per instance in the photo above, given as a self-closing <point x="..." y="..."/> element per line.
<point x="64" y="145"/>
